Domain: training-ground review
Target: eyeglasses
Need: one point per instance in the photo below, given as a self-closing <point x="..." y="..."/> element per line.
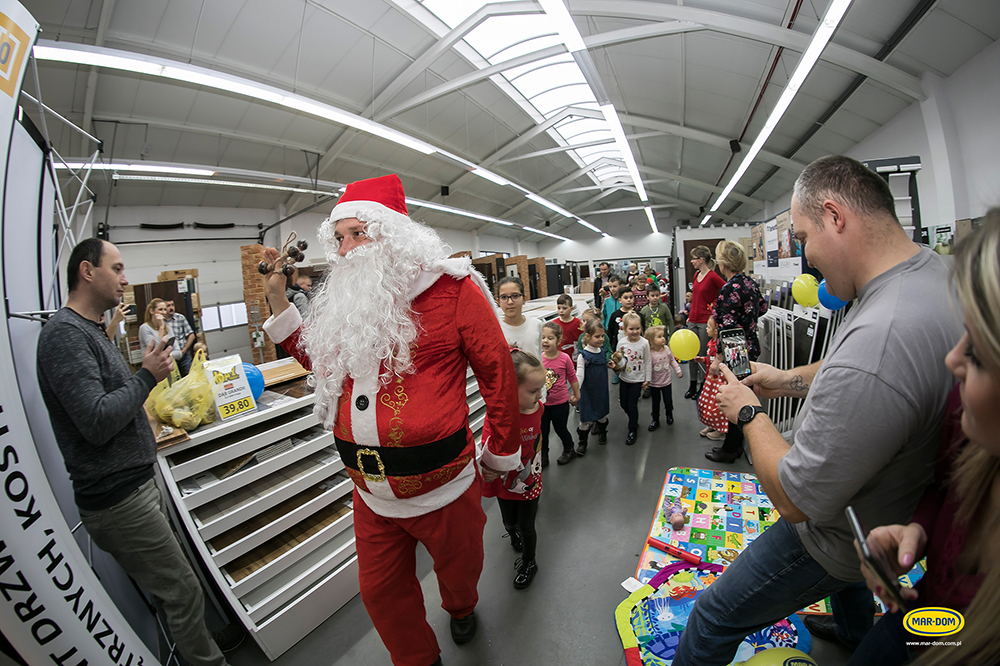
<point x="510" y="297"/>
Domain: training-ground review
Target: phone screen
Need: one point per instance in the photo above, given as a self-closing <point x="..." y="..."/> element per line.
<point x="734" y="351"/>
<point x="877" y="560"/>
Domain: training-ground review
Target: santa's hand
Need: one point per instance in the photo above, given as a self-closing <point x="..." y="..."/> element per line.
<point x="489" y="474"/>
<point x="733" y="395"/>
<point x="274" y="282"/>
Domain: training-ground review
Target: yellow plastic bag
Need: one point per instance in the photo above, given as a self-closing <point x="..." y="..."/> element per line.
<point x="189" y="402"/>
<point x="150" y="404"/>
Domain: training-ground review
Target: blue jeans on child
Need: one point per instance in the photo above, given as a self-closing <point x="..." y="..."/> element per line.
<point x="771" y="579"/>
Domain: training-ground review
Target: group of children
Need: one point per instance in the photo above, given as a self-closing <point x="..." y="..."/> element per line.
<point x="549" y="385"/>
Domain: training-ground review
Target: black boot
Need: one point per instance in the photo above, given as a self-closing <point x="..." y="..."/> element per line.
<point x="602" y="432"/>
<point x="567" y="455"/>
<point x="654" y="424"/>
<point x="697" y="392"/>
<point x="526" y="570"/>
<point x="632" y="436"/>
<point x="692" y="389"/>
<point x="583" y="436"/>
<point x="515" y="539"/>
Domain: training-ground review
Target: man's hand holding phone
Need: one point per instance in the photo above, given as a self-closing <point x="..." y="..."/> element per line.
<point x="766" y="380"/>
<point x="158" y="360"/>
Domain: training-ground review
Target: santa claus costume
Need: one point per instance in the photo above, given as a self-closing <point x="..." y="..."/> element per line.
<point x="397" y="406"/>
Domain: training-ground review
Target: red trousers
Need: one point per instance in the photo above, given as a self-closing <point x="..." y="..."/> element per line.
<point x="453" y="535"/>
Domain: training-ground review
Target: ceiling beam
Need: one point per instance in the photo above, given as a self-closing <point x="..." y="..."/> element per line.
<point x="757" y="31"/>
<point x="107" y="7"/>
<point x="691" y="182"/>
<point x="203" y="129"/>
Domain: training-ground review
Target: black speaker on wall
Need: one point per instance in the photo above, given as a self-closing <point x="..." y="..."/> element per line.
<point x="444" y="190"/>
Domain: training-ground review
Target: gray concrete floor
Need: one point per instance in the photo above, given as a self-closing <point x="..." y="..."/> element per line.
<point x="593" y="517"/>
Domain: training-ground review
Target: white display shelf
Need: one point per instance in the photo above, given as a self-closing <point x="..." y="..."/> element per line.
<point x="276" y="535"/>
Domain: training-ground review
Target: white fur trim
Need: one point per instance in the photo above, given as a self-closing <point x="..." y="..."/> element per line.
<point x="423" y="282"/>
<point x="394" y="507"/>
<point x="506" y="463"/>
<point x="279" y="327"/>
<point x="364" y="426"/>
<point x="363" y="209"/>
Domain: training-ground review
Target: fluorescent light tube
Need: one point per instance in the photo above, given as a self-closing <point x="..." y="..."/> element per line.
<point x="142" y="168"/>
<point x="652" y="222"/>
<point x="457" y="211"/>
<point x="83" y="54"/>
<point x="831" y="21"/>
<point x="615" y="124"/>
<point x="545" y="233"/>
<point x="588" y="225"/>
<point x="489" y="175"/>
<point x="706" y="219"/>
<point x="226" y="183"/>
<point x="564" y="24"/>
<point x="548" y="204"/>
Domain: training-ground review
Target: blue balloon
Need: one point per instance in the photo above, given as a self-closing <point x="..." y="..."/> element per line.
<point x="829" y="301"/>
<point x="255" y="379"/>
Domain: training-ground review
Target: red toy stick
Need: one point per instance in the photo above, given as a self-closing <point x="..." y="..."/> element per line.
<point x="671" y="550"/>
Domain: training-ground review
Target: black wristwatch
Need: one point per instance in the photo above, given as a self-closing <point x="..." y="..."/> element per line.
<point x="747" y="414"/>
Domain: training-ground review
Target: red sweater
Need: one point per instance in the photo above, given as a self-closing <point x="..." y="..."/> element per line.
<point x="703" y="296"/>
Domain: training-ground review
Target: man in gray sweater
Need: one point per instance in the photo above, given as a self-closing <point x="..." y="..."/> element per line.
<point x="95" y="405"/>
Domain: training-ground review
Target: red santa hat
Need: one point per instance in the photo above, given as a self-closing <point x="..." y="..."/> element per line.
<point x="374" y="199"/>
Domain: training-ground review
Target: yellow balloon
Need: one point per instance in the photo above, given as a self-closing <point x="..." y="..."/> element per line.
<point x="685" y="345"/>
<point x="780" y="657"/>
<point x="805" y="289"/>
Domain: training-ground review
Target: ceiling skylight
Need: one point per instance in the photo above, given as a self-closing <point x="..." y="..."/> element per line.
<point x="546" y="86"/>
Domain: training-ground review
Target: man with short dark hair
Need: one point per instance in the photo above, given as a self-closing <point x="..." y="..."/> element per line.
<point x="600" y="284"/>
<point x="868" y="433"/>
<point x="95" y="406"/>
<point x="184" y="338"/>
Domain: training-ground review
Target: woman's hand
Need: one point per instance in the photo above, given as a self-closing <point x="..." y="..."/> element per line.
<point x="903" y="546"/>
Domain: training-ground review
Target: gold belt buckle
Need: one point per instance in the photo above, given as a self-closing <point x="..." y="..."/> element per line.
<point x="378" y="459"/>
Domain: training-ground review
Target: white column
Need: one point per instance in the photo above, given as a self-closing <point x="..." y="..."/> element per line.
<point x="946" y="155"/>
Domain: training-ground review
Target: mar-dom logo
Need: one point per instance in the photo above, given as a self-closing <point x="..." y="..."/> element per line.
<point x="933" y="622"/>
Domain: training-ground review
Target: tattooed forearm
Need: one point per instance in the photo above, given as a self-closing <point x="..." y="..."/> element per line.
<point x="797" y="384"/>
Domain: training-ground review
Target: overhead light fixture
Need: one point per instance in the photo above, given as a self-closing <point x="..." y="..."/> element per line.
<point x="564" y="24"/>
<point x="611" y="116"/>
<point x="457" y="211"/>
<point x="542" y="201"/>
<point x="588" y="225"/>
<point x="96" y="56"/>
<point x="706" y="219"/>
<point x="652" y="222"/>
<point x="225" y="183"/>
<point x="605" y="235"/>
<point x="489" y="175"/>
<point x="141" y="167"/>
<point x="545" y="233"/>
<point x="824" y="32"/>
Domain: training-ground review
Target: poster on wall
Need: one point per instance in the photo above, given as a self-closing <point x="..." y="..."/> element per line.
<point x="759" y="258"/>
<point x="771" y="242"/>
<point x="777" y="254"/>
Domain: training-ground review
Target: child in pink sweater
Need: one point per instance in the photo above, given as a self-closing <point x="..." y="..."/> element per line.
<point x="659" y="385"/>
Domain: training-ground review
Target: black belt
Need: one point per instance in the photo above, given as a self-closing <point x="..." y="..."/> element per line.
<point x="401" y="461"/>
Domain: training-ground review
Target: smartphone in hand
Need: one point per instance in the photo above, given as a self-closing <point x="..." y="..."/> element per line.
<point x="878" y="561"/>
<point x="168" y="343"/>
<point x="735" y="351"/>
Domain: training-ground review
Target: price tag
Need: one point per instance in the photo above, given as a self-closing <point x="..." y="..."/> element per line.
<point x="233" y="395"/>
<point x="236" y="407"/>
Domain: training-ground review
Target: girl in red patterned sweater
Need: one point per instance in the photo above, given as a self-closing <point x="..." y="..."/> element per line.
<point x="517" y="492"/>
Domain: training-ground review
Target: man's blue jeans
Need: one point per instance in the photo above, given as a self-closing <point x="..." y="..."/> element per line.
<point x="773" y="578"/>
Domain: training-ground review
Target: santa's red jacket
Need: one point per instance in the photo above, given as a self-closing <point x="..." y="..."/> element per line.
<point x="459" y="327"/>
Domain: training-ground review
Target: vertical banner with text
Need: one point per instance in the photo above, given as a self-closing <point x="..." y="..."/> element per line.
<point x="53" y="609"/>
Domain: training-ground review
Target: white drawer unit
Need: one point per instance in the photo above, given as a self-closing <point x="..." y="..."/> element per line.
<point x="275" y="530"/>
<point x="267" y="505"/>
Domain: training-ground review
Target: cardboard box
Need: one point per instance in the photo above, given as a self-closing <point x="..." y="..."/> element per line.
<point x="587" y="286"/>
<point x="173" y="276"/>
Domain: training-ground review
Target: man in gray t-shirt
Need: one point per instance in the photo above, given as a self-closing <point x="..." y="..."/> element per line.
<point x="870" y="430"/>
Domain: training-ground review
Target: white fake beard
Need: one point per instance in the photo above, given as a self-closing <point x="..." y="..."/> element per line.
<point x="360" y="321"/>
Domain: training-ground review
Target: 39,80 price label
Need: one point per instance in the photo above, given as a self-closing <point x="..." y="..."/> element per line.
<point x="236" y="407"/>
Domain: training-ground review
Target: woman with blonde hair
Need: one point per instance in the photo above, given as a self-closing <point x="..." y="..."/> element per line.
<point x="154" y="327"/>
<point x="705" y="290"/>
<point x="957" y="523"/>
<point x="738" y="305"/>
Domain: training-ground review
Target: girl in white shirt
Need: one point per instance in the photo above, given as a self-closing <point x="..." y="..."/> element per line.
<point x="635" y="370"/>
<point x="524" y="333"/>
